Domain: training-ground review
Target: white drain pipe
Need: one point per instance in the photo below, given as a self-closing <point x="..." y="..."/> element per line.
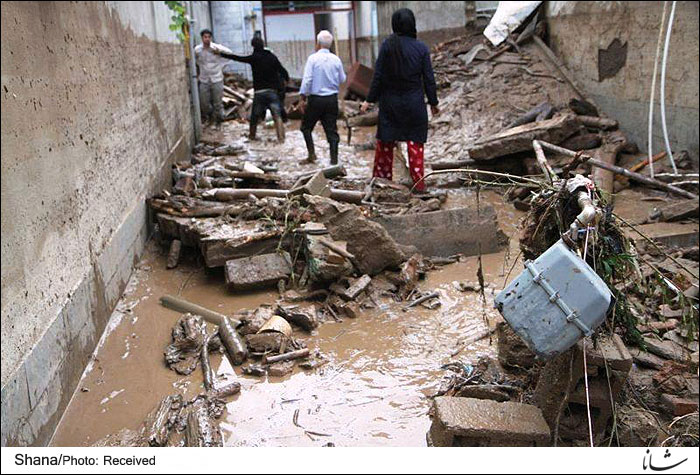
<point x="650" y="147"/>
<point x="663" y="88"/>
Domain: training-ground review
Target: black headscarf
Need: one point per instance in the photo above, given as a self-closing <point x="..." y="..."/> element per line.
<point x="403" y="23"/>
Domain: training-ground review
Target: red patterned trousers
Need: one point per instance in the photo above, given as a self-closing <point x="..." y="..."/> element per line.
<point x="384" y="160"/>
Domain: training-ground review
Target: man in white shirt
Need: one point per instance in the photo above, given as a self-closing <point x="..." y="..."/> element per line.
<point x="211" y="77"/>
<point x="323" y="75"/>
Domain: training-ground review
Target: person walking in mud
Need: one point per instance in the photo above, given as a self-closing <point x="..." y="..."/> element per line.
<point x="323" y="75"/>
<point x="211" y="78"/>
<point x="267" y="74"/>
<point x="403" y="73"/>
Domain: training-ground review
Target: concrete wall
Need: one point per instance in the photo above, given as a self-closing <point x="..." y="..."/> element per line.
<point x="234" y="24"/>
<point x="435" y="21"/>
<point x="580" y="30"/>
<point x="95" y="106"/>
<point x="202" y="19"/>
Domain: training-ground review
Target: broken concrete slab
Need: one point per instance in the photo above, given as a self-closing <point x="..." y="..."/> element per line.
<point x="325" y="265"/>
<point x="280" y="369"/>
<point x="257" y="271"/>
<point x="265" y="342"/>
<point x="512" y="350"/>
<point x="609" y="350"/>
<point x="668" y="234"/>
<point x="303" y="316"/>
<point x="646" y="359"/>
<point x="461" y="421"/>
<point x="681" y="210"/>
<point x="448" y="232"/>
<point x="369" y="242"/>
<point x="220" y="241"/>
<point x="679" y="406"/>
<point x="519" y="139"/>
<point x="356" y="287"/>
<point x="667" y="349"/>
<point x="484" y="391"/>
<point x="317" y="184"/>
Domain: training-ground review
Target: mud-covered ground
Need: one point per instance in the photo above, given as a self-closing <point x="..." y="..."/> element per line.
<point x="381" y="367"/>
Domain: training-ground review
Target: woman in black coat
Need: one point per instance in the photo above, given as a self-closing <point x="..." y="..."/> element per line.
<point x="402" y="75"/>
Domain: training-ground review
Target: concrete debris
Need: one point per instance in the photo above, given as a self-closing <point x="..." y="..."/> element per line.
<point x="354" y="288"/>
<point x="445" y="233"/>
<point x="467" y="422"/>
<point x="303" y="316"/>
<point x="267" y="342"/>
<point x="280" y="369"/>
<point x="252" y="322"/>
<point x="677" y="406"/>
<point x="512" y="350"/>
<point x="519" y="139"/>
<point x="335" y="245"/>
<point x="174" y="254"/>
<point x="258" y="271"/>
<point x="367" y="241"/>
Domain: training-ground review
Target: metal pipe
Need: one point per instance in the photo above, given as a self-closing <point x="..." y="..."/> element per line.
<point x="194" y="87"/>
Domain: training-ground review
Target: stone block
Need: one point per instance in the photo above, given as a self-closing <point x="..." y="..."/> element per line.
<point x="679" y="406"/>
<point x="447" y="232"/>
<point x="257" y="271"/>
<point x="481" y="422"/>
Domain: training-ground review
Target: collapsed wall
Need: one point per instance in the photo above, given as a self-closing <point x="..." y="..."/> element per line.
<point x="95" y="109"/>
<point x="610" y="48"/>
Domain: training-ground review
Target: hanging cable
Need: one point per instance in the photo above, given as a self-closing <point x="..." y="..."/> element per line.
<point x="663" y="88"/>
<point x="585" y="365"/>
<point x="650" y="147"/>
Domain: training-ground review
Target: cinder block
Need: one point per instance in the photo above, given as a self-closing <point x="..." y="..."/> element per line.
<point x="257" y="271"/>
<point x="482" y="422"/>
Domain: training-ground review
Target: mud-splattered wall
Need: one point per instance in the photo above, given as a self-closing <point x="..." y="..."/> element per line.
<point x="617" y="74"/>
<point x="95" y="106"/>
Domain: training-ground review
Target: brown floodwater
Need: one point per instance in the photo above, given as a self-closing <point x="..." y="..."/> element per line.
<point x="374" y="389"/>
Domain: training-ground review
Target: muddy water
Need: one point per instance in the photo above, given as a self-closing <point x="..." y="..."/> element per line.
<point x="373" y="390"/>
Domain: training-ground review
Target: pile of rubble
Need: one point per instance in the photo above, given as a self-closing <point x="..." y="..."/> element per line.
<point x="334" y="247"/>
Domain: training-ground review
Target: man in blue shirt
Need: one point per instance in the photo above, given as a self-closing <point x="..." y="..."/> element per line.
<point x="323" y="75"/>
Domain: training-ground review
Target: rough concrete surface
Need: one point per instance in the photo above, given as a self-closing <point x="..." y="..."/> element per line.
<point x="579" y="30"/>
<point x="448" y="232"/>
<point x="95" y="105"/>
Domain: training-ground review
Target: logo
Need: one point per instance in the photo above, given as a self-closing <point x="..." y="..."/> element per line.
<point x="655" y="468"/>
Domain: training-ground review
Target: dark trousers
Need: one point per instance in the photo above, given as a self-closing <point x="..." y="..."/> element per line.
<point x="325" y="109"/>
<point x="262" y="101"/>
<point x="281" y="94"/>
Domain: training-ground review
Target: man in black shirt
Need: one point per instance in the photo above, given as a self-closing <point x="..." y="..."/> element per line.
<point x="267" y="71"/>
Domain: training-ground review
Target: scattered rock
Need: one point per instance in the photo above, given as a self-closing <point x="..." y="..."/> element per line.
<point x="678" y="406"/>
<point x="512" y="350"/>
<point x="265" y="342"/>
<point x="303" y="316"/>
<point x="283" y="368"/>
